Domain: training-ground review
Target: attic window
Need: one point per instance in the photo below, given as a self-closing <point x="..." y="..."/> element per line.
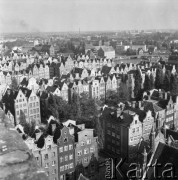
<point x="65" y="139"/>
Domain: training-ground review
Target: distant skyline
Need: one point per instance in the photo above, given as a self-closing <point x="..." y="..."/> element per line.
<point x="88" y="15"/>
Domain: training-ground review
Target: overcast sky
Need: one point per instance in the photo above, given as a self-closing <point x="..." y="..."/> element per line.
<point x="88" y="15"/>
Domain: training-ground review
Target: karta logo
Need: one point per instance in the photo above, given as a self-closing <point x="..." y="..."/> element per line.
<point x="158" y="170"/>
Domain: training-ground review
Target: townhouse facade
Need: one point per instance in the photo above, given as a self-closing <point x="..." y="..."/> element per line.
<point x="86" y="145"/>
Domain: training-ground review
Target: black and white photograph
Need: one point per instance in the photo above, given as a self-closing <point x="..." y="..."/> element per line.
<point x="88" y="89"/>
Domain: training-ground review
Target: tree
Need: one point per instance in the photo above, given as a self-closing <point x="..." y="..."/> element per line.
<point x="147" y="83"/>
<point x="138" y="83"/>
<point x="124" y="93"/>
<point x="167" y="81"/>
<point x="29" y="128"/>
<point x="159" y="78"/>
<point x="174" y="87"/>
<point x="151" y="81"/>
<point x="112" y="98"/>
<point x="22" y="118"/>
<point x="14" y="84"/>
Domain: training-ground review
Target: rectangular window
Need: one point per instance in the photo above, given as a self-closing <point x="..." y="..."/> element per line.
<point x="133" y="130"/>
<point x="54" y="171"/>
<point x="66" y="166"/>
<point x="54" y="154"/>
<point x="86" y="151"/>
<point x="46" y="156"/>
<point x="82" y="143"/>
<point x="88" y="141"/>
<point x="79" y="153"/>
<point x="117" y="143"/>
<point x="117" y="151"/>
<point x="17" y="113"/>
<point x="108" y="132"/>
<point x="118" y="136"/>
<point x="70" y="146"/>
<point x="65" y="148"/>
<point x="36" y="103"/>
<point x="66" y="158"/>
<point x="70" y="156"/>
<point x="49" y="147"/>
<point x="137" y="129"/>
<point x="113" y="134"/>
<point x="92" y="149"/>
<point x="71" y="165"/>
<point x="61" y="159"/>
<point x="53" y="163"/>
<point x="85" y="160"/>
<point x="109" y="124"/>
<point x="61" y="149"/>
<point x="46" y="165"/>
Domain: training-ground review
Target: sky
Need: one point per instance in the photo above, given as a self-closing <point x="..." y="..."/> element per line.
<point x="88" y="15"/>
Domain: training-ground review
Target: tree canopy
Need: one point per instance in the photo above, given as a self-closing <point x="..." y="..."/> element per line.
<point x="138" y="83"/>
<point x="14" y="84"/>
<point x="159" y="78"/>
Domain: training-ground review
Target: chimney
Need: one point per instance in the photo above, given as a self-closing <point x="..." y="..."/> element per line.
<point x="139" y="104"/>
<point x="38" y="135"/>
<point x="25" y="92"/>
<point x="53" y="128"/>
<point x="133" y="104"/>
<point x="152" y="140"/>
<point x="165" y="95"/>
<point x="144" y="160"/>
<point x="118" y="111"/>
<point x="4" y="106"/>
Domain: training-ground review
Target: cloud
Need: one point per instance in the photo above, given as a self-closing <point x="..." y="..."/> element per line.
<point x="23" y="24"/>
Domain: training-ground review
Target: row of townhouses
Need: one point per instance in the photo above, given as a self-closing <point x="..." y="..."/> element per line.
<point x="65" y="150"/>
<point x="136" y="131"/>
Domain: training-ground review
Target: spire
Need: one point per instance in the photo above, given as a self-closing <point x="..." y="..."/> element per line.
<point x="144" y="159"/>
<point x="152" y="139"/>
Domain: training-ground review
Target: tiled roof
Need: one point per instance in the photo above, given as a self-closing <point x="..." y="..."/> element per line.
<point x="164" y="154"/>
<point x="82" y="177"/>
<point x="24" y="82"/>
<point x="105" y="70"/>
<point x="107" y="48"/>
<point x="172" y="133"/>
<point x="151" y="106"/>
<point x="51" y="88"/>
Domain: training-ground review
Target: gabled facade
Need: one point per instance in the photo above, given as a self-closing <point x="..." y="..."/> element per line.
<point x="66" y="150"/>
<point x="85" y="147"/>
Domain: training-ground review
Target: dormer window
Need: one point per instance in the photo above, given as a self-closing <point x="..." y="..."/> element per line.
<point x="65" y="139"/>
<point x="135" y="121"/>
<point x="133" y="130"/>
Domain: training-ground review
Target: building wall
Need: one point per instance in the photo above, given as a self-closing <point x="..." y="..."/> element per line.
<point x="66" y="153"/>
<point x="86" y="146"/>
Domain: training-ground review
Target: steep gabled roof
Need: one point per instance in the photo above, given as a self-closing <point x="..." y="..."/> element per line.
<point x="51" y="88"/>
<point x="105" y="70"/>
